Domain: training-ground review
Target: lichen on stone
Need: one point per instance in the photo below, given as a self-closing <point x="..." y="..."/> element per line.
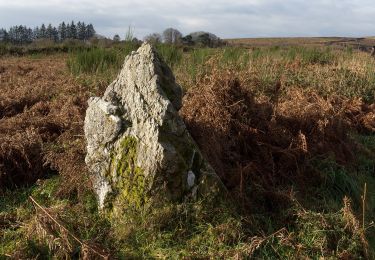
<point x="126" y="177"/>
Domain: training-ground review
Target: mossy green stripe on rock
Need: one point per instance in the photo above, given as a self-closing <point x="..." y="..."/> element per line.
<point x="126" y="178"/>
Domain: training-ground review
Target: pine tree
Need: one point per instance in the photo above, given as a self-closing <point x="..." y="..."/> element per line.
<point x="62" y="31"/>
<point x="21" y="34"/>
<point x="68" y="32"/>
<point x="10" y="34"/>
<point x="73" y="31"/>
<point x="90" y="31"/>
<point x="36" y="33"/>
<point x="42" y="32"/>
<point x="55" y="34"/>
<point x="15" y="34"/>
<point x="49" y="32"/>
<point x="81" y="31"/>
<point x="29" y="32"/>
<point x="3" y="35"/>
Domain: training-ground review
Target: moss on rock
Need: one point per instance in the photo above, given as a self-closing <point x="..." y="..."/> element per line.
<point x="127" y="179"/>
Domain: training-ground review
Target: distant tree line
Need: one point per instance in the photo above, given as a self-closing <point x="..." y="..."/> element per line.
<point x="173" y="36"/>
<point x="21" y="34"/>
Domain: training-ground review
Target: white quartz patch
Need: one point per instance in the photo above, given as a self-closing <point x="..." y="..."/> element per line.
<point x="190" y="179"/>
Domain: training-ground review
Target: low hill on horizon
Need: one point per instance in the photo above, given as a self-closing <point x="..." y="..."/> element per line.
<point x="363" y="43"/>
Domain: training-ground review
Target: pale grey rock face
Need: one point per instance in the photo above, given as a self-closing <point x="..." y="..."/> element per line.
<point x="138" y="148"/>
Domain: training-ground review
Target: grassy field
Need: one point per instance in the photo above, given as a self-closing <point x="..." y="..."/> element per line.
<point x="289" y="128"/>
<point x="336" y="42"/>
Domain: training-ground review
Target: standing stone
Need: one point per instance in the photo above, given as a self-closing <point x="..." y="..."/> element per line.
<point x="138" y="148"/>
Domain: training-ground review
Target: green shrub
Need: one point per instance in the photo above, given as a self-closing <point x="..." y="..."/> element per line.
<point x="338" y="182"/>
<point x="236" y="57"/>
<point x="3" y="49"/>
<point x="171" y="54"/>
<point x="94" y="61"/>
<point x="317" y="56"/>
<point x="125" y="48"/>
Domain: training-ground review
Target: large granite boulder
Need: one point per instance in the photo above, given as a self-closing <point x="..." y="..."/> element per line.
<point x="138" y="148"/>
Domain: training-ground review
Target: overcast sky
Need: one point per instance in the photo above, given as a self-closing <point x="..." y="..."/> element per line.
<point x="227" y="19"/>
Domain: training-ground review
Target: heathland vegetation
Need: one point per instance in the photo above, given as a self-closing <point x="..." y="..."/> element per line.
<point x="290" y="130"/>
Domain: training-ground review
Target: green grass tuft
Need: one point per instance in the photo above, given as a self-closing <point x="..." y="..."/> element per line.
<point x="94" y="61"/>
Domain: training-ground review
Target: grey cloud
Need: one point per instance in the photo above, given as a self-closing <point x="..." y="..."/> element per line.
<point x="246" y="18"/>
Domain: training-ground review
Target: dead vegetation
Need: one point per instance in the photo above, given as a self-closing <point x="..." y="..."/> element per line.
<point x="268" y="140"/>
<point x="41" y="121"/>
<point x="263" y="146"/>
<point x="288" y="155"/>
